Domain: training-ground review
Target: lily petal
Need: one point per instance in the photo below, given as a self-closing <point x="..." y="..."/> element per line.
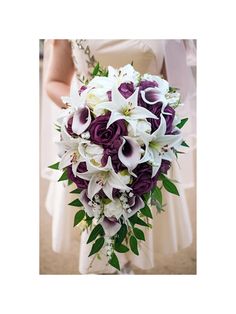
<point x="94" y="187"/>
<point x="142" y="113"/>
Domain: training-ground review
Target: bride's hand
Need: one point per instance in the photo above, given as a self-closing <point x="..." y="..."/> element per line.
<point x="60" y="71"/>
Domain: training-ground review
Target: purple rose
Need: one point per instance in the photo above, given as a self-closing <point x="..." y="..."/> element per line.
<point x="107" y="137"/>
<point x="144" y="182"/>
<point x="156" y="109"/>
<point x="81" y="183"/>
<point x="113" y="153"/>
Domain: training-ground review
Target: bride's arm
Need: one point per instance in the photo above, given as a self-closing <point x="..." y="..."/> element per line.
<point x="60" y="71"/>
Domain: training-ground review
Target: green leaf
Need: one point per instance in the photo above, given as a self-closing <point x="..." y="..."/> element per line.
<point x="63" y="176"/>
<point x="113" y="261"/>
<point x="121" y="248"/>
<point x="121" y="234"/>
<point x="69" y="182"/>
<point x="139" y="234"/>
<point x="184" y="144"/>
<point x="146" y="196"/>
<point x="54" y="166"/>
<point x="76" y="191"/>
<point x="169" y="186"/>
<point x="182" y="123"/>
<point x="95" y="70"/>
<point x="146" y="211"/>
<point x="157" y="195"/>
<point x="88" y="220"/>
<point x="136" y="220"/>
<point x="97" y="246"/>
<point x="76" y="203"/>
<point x="78" y="217"/>
<point x="98" y="229"/>
<point x="134" y="245"/>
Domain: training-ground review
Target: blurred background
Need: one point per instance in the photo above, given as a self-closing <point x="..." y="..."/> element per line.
<point x="182" y="262"/>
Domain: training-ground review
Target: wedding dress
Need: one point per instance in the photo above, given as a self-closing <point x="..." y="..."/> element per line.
<point x="172" y="229"/>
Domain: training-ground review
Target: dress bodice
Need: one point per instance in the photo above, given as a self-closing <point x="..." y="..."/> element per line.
<point x="147" y="55"/>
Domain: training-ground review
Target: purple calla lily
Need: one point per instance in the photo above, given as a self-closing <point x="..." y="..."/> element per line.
<point x="111" y="226"/>
<point x="129" y="153"/>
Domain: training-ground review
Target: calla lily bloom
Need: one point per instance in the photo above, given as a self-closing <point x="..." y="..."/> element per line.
<point x="103" y="178"/>
<point x="158" y="146"/>
<point x="125" y="108"/>
<point x="129" y="153"/>
<point x="77" y="110"/>
<point x="153" y="95"/>
<point x="110" y="225"/>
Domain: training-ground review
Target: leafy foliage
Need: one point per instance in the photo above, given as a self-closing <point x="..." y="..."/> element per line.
<point x="78" y="217"/>
<point x="97" y="230"/>
<point x="97" y="246"/>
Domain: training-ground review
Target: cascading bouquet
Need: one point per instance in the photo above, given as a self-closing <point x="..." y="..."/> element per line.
<point x="119" y="135"/>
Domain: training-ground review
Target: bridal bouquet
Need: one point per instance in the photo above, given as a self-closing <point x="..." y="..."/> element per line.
<point x="119" y="135"/>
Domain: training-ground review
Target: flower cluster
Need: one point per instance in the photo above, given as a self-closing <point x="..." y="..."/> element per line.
<point x="119" y="135"/>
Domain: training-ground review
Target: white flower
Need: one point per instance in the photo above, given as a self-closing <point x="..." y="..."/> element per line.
<point x="113" y="208"/>
<point x="143" y="126"/>
<point x="123" y="75"/>
<point x="127" y="109"/>
<point x="103" y="178"/>
<point x="68" y="151"/>
<point x="158" y="146"/>
<point x="91" y="152"/>
<point x="77" y="110"/>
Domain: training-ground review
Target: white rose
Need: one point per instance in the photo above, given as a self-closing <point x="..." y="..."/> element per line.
<point x="114" y="208"/>
<point x="143" y="126"/>
<point x="90" y="151"/>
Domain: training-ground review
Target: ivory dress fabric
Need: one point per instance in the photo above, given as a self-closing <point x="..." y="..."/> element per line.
<point x="171" y="229"/>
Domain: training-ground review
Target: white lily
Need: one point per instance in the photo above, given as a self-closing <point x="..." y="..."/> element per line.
<point x="69" y="153"/>
<point x="158" y="146"/>
<point x="127" y="109"/>
<point x="103" y="178"/>
<point x="124" y="74"/>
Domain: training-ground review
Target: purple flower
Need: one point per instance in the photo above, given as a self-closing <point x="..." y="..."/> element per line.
<point x="144" y="182"/>
<point x="107" y="137"/>
<point x="142" y="86"/>
<point x="81" y="183"/>
<point x="156" y="109"/>
<point x="126" y="89"/>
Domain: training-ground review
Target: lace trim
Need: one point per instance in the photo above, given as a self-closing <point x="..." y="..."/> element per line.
<point x="84" y="47"/>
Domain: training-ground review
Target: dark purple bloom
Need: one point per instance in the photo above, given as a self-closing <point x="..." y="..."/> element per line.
<point x="107" y="137"/>
<point x="81" y="183"/>
<point x="156" y="109"/>
<point x="142" y="86"/>
<point x="144" y="182"/>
